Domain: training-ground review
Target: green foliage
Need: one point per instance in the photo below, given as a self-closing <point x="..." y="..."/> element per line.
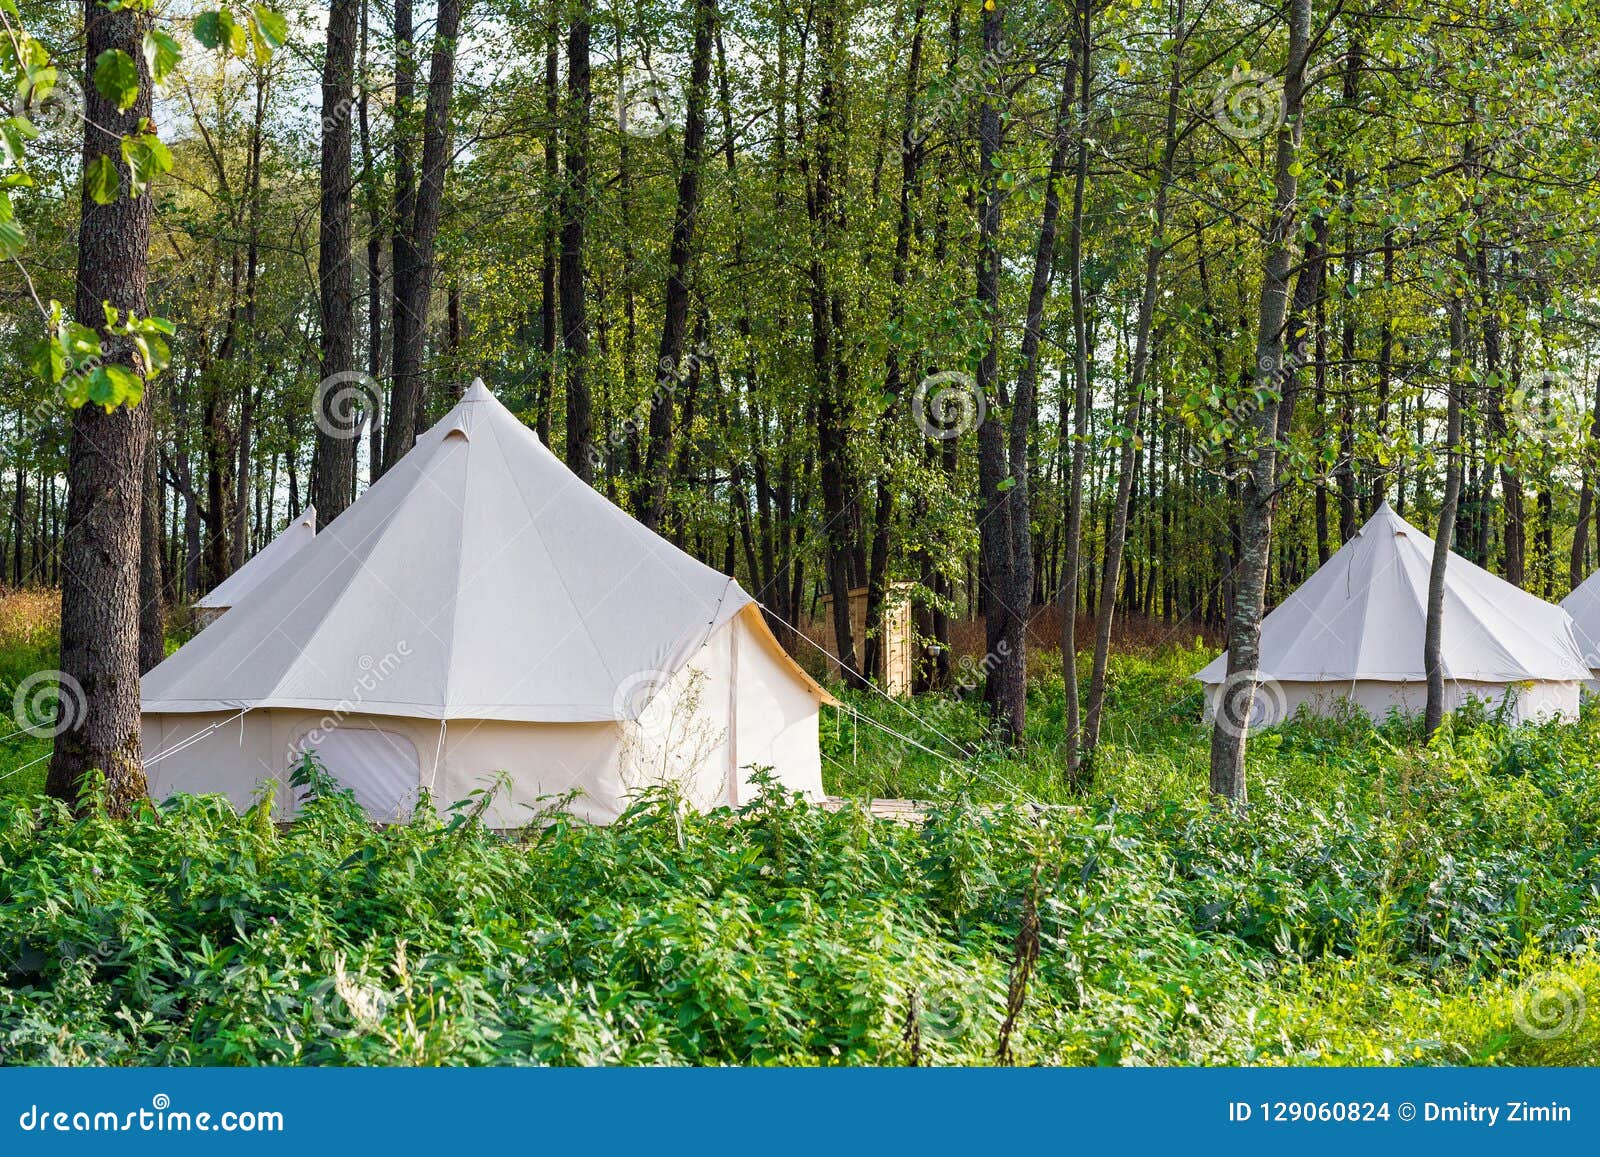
<point x="1383" y="903"/>
<point x="258" y="33"/>
<point x="117" y="78"/>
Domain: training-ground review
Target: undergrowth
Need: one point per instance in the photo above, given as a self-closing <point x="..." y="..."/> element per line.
<point x="1381" y="902"/>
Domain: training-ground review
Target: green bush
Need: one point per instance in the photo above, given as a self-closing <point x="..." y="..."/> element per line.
<point x="1381" y="902"/>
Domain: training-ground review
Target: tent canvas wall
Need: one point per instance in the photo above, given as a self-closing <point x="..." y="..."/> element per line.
<point x="1353" y="633"/>
<point x="481" y="610"/>
<point x="1583" y="604"/>
<point x="261" y="566"/>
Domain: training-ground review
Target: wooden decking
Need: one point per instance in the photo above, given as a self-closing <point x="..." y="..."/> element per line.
<point x="903" y="811"/>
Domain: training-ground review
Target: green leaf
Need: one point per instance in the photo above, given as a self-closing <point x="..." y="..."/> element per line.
<point x="274" y="28"/>
<point x="80" y="341"/>
<point x="14" y="132"/>
<point x="49" y="361"/>
<point x="116" y="76"/>
<point x="102" y="180"/>
<point x="161" y="54"/>
<point x="146" y="156"/>
<point x="111" y="385"/>
<point x="219" y="30"/>
<point x="12" y="238"/>
<point x="154" y="353"/>
<point x="208" y="29"/>
<point x="236" y="36"/>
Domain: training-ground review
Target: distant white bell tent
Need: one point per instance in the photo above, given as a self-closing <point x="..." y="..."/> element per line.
<point x="1583" y="604"/>
<point x="261" y="566"/>
<point x="481" y="610"/>
<point x="1353" y="632"/>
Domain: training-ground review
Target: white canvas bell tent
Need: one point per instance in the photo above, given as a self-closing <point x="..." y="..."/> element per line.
<point x="1354" y="632"/>
<point x="481" y="610"/>
<point x="261" y="566"/>
<point x="1583" y="604"/>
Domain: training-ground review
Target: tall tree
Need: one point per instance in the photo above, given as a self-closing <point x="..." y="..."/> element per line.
<point x="334" y="476"/>
<point x="574" y="214"/>
<point x="1258" y="489"/>
<point x="550" y="231"/>
<point x="106" y="458"/>
<point x="404" y="211"/>
<point x="1076" y="435"/>
<point x="371" y="196"/>
<point x="680" y="253"/>
<point x="414" y="251"/>
<point x="894" y="373"/>
<point x="1006" y="701"/>
<point x="152" y="595"/>
<point x="825" y="206"/>
<point x="1444" y="536"/>
<point x="1155" y="250"/>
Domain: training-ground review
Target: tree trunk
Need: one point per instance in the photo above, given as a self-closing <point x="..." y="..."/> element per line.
<point x="401" y="260"/>
<point x="550" y="234"/>
<point x="369" y="179"/>
<point x="152" y="597"/>
<point x="1067" y="596"/>
<point x="680" y="254"/>
<point x="414" y="260"/>
<point x="98" y="718"/>
<point x="1577" y="571"/>
<point x="1005" y="697"/>
<point x="829" y="363"/>
<point x="894" y="370"/>
<point x="247" y="403"/>
<point x="339" y="397"/>
<point x="1258" y="492"/>
<point x="1110" y="574"/>
<point x="1433" y="633"/>
<point x="574" y="203"/>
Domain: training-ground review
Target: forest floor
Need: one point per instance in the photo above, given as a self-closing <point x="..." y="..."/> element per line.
<point x="1382" y="902"/>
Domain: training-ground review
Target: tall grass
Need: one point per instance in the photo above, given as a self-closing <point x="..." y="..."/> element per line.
<point x="1383" y="902"/>
<point x="29" y="622"/>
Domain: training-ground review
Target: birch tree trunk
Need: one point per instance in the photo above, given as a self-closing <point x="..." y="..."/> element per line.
<point x="1111" y="572"/>
<point x="1258" y="488"/>
<point x="1067" y="598"/>
<point x="1444" y="536"/>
